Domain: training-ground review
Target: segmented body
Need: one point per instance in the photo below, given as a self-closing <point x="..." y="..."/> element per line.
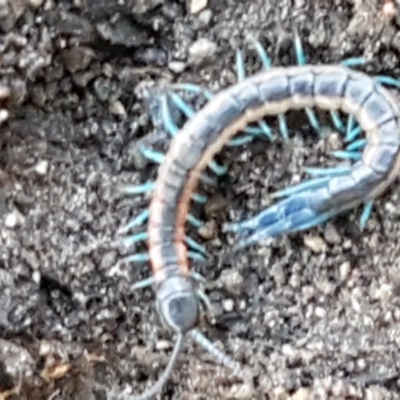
<point x="271" y="93"/>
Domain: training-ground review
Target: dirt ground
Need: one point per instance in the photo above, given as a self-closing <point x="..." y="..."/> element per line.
<point x="314" y="315"/>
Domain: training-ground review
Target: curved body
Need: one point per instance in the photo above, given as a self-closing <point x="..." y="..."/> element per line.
<point x="271" y="93"/>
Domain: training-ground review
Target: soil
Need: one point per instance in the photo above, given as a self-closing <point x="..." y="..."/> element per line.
<point x="313" y="315"/>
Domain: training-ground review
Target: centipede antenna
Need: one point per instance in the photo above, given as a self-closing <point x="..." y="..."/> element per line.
<point x="168" y="120"/>
<point x="152" y="391"/>
<point x="217" y="354"/>
<point x="207" y="303"/>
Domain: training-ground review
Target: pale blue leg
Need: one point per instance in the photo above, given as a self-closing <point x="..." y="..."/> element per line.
<point x="353" y="134"/>
<point x="139" y="220"/>
<point x="199" y="198"/>
<point x="218" y="170"/>
<point x="388" y="81"/>
<point x="353" y="62"/>
<point x="301" y="187"/>
<point x="347" y="155"/>
<point x="366" y="214"/>
<point x="142" y="218"/>
<point x="150" y="281"/>
<point x="143" y="284"/>
<point x="144" y="257"/>
<point x="283" y="128"/>
<point x="240" y="141"/>
<point x="143" y="236"/>
<point x="195" y="256"/>
<point x="208" y="180"/>
<point x="192" y="220"/>
<point x="357" y="145"/>
<point x="190" y="87"/>
<point x="331" y="172"/>
<point x="196" y="246"/>
<point x="138" y="237"/>
<point x="139" y="189"/>
<point x="153" y="155"/>
<point x="305" y="221"/>
<point x="137" y="258"/>
<point x="337" y="121"/>
<point x="168" y="121"/>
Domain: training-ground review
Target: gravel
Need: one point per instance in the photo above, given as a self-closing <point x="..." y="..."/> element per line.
<point x="313" y="315"/>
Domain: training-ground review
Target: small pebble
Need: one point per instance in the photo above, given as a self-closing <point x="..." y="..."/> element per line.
<point x="201" y="50"/>
<point x="5" y="92"/>
<point x="163" y="345"/>
<point x="208" y="230"/>
<point x="117" y="108"/>
<point x="315" y="243"/>
<point x="331" y="235"/>
<point x="302" y="394"/>
<point x="41" y="167"/>
<point x="35" y="3"/>
<point x="197" y="5"/>
<point x="344" y="270"/>
<point x="232" y="281"/>
<point x="205" y="17"/>
<point x="4" y="114"/>
<point x="13" y="219"/>
<point x="176" y="66"/>
<point x="228" y="305"/>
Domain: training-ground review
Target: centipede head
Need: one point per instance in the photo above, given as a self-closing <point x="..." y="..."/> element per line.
<point x="179" y="307"/>
<point x="178" y="304"/>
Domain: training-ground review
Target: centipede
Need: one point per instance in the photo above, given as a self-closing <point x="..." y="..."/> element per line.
<point x="235" y="116"/>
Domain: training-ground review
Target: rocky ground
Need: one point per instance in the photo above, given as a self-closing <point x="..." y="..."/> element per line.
<point x="315" y="315"/>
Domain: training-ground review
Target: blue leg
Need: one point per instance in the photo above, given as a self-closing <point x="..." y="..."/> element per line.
<point x="144" y="257"/>
<point x="305" y="220"/>
<point x="388" y="81"/>
<point x="137" y="258"/>
<point x="331" y="172"/>
<point x="138" y="189"/>
<point x="150" y="281"/>
<point x="192" y="220"/>
<point x="155" y="156"/>
<point x="366" y="214"/>
<point x="168" y="121"/>
<point x="199" y="198"/>
<point x="139" y="220"/>
<point x="295" y="189"/>
<point x="337" y="121"/>
<point x="347" y="155"/>
<point x="143" y="283"/>
<point x="196" y="246"/>
<point x="353" y="134"/>
<point x="283" y="128"/>
<point x="357" y="145"/>
<point x="138" y="237"/>
<point x="143" y="236"/>
<point x="353" y="62"/>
